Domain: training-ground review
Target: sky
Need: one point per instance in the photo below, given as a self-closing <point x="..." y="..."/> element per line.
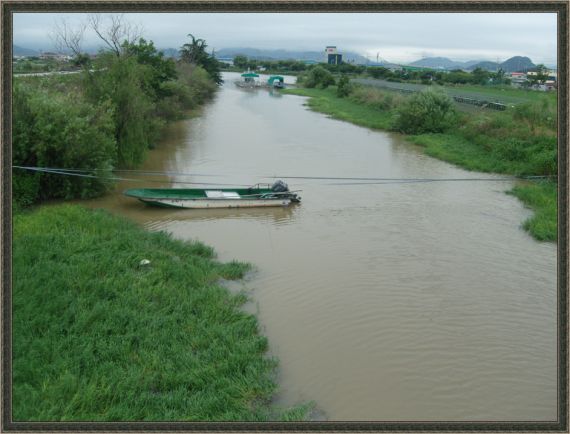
<point x="395" y="37"/>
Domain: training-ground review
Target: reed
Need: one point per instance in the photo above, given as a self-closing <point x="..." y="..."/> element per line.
<point x="99" y="337"/>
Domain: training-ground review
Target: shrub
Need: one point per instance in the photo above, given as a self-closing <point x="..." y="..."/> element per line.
<point x="378" y="99"/>
<point x="426" y="112"/>
<point x="318" y="77"/>
<point x="538" y="113"/>
<point x="59" y="131"/>
<point x="344" y="87"/>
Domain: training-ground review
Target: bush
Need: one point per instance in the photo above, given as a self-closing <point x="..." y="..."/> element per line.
<point x="344" y="87"/>
<point x="426" y="112"/>
<point x="378" y="99"/>
<point x="539" y="113"/>
<point x="318" y="77"/>
<point x="25" y="188"/>
<point x="59" y="131"/>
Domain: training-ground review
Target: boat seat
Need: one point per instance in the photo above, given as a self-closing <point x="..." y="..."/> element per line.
<point x="218" y="194"/>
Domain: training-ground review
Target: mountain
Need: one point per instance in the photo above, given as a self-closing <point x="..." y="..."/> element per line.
<point x="269" y="54"/>
<point x="470" y="63"/>
<point x="21" y="51"/>
<point x="437" y="63"/>
<point x="517" y="64"/>
<point x="489" y="66"/>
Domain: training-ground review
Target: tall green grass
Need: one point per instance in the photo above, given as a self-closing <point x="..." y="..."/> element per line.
<point x="542" y="199"/>
<point x="347" y="109"/>
<point x="99" y="337"/>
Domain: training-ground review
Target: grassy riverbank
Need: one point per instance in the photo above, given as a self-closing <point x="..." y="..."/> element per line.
<point x="516" y="142"/>
<point x="99" y="337"/>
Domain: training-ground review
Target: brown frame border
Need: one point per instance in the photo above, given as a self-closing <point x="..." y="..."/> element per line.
<point x="8" y="7"/>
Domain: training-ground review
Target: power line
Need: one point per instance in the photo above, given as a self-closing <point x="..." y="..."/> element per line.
<point x="359" y="180"/>
<point x="54" y="171"/>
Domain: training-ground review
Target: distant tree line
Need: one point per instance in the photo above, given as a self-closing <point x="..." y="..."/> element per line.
<point x="478" y="76"/>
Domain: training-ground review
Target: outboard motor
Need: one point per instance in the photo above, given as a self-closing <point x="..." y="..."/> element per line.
<point x="279" y="187"/>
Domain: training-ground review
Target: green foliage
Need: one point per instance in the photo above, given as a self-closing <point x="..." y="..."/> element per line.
<point x="377" y="99"/>
<point x="541" y="113"/>
<point x="195" y="53"/>
<point x="101" y="119"/>
<point x="192" y="88"/>
<point x="160" y="69"/>
<point x="378" y="72"/>
<point x="241" y="61"/>
<point x="122" y="81"/>
<point x="348" y="109"/>
<point x="540" y="77"/>
<point x="318" y="77"/>
<point x="480" y="76"/>
<point x="344" y="87"/>
<point x="541" y="197"/>
<point x="57" y="130"/>
<point x="99" y="337"/>
<point x="426" y="112"/>
<point x="25" y="188"/>
<point x="82" y="60"/>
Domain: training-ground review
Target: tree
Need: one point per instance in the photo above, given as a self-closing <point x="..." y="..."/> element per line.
<point x="66" y="37"/>
<point x="499" y="77"/>
<point x="195" y="53"/>
<point x="426" y="112"/>
<point x="480" y="76"/>
<point x="118" y="34"/>
<point x="160" y="69"/>
<point x="540" y="77"/>
<point x="344" y="87"/>
<point x="240" y="61"/>
<point x="319" y="77"/>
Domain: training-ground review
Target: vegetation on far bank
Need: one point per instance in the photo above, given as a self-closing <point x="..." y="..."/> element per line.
<point x="99" y="336"/>
<point x="521" y="141"/>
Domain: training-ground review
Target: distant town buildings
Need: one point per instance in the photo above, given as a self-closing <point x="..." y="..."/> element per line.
<point x="54" y="56"/>
<point x="522" y="79"/>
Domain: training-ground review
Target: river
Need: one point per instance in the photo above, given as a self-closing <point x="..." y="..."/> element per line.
<point x="382" y="302"/>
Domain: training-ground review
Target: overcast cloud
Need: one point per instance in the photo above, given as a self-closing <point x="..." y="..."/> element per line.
<point x="400" y="37"/>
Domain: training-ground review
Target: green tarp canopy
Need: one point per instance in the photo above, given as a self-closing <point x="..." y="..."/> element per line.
<point x="275" y="77"/>
<point x="250" y="74"/>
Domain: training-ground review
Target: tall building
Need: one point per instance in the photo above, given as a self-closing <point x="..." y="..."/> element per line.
<point x="333" y="58"/>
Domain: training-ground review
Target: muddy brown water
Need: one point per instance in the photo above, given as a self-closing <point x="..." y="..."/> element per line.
<point x="407" y="302"/>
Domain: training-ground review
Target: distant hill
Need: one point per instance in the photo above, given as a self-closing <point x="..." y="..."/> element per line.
<point x="268" y="54"/>
<point x="489" y="66"/>
<point x="21" y="51"/>
<point x="514" y="64"/>
<point x="517" y="64"/>
<point x="437" y="63"/>
<point x="470" y="63"/>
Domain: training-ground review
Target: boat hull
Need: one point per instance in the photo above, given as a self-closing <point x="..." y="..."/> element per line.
<point x="214" y="203"/>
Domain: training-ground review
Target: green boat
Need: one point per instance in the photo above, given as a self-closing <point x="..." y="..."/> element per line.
<point x="277" y="194"/>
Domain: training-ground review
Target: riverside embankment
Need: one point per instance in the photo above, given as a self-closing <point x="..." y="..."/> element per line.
<point x="382" y="301"/>
<point x="113" y="323"/>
